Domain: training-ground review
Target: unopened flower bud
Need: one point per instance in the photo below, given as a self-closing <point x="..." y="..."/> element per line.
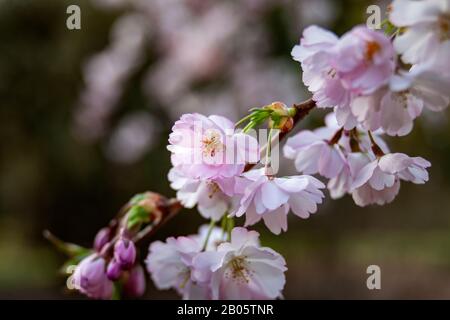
<point x="135" y="285"/>
<point x="281" y="117"/>
<point x="125" y="253"/>
<point x="114" y="270"/>
<point x="102" y="238"/>
<point x="284" y="124"/>
<point x="279" y="108"/>
<point x="90" y="278"/>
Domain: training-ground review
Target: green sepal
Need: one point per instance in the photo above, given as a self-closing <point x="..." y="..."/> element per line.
<point x="137" y="215"/>
<point x="137" y="198"/>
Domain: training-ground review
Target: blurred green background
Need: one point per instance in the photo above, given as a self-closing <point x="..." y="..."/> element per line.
<point x="84" y="120"/>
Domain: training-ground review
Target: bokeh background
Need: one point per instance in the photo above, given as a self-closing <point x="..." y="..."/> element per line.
<point x="85" y="115"/>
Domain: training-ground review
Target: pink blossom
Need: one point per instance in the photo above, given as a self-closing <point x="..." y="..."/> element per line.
<point x="394" y="108"/>
<point x="378" y="180"/>
<point x="425" y="84"/>
<point x="314" y="53"/>
<point x="367" y="109"/>
<point x="313" y="154"/>
<point x="365" y="194"/>
<point x="208" y="148"/>
<point x="392" y="111"/>
<point x="169" y="264"/>
<point x="240" y="269"/>
<point x="90" y="278"/>
<point x="212" y="197"/>
<point x="364" y="60"/>
<point x="271" y="198"/>
<point x="407" y="168"/>
<point x="341" y="184"/>
<point x="336" y="70"/>
<point x="343" y="143"/>
<point x="425" y="29"/>
<point x="345" y="117"/>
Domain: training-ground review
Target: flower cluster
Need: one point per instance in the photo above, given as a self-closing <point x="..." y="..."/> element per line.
<point x="376" y="83"/>
<point x="94" y="276"/>
<point x="204" y="266"/>
<point x="356" y="162"/>
<point x="204" y="175"/>
<point x="113" y="262"/>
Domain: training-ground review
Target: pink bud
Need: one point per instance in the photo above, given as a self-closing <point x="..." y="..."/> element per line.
<point x="135" y="286"/>
<point x="90" y="278"/>
<point x="113" y="271"/>
<point x="125" y="253"/>
<point x="102" y="238"/>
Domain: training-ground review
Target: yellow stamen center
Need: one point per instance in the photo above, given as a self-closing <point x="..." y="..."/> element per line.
<point x="238" y="270"/>
<point x="372" y="48"/>
<point x="212" y="143"/>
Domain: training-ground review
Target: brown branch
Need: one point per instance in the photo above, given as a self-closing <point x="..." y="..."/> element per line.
<point x="173" y="208"/>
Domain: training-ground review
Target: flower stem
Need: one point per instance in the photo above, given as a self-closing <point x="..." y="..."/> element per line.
<point x="243" y="120"/>
<point x="375" y="147"/>
<point x="212" y="224"/>
<point x="267" y="165"/>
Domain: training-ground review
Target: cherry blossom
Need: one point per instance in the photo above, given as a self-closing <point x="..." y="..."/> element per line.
<point x="378" y="180"/>
<point x="241" y="269"/>
<point x="395" y="107"/>
<point x="341" y="184"/>
<point x="212" y="197"/>
<point x="169" y="264"/>
<point x="392" y="111"/>
<point x="425" y="84"/>
<point x="208" y="148"/>
<point x="364" y="60"/>
<point x="314" y="54"/>
<point x="376" y="83"/>
<point x="270" y="198"/>
<point x="425" y="29"/>
<point x="335" y="70"/>
<point x="312" y="153"/>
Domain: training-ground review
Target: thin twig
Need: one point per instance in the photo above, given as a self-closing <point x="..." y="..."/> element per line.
<point x="173" y="209"/>
<point x="302" y="110"/>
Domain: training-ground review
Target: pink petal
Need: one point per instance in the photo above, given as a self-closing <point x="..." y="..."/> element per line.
<point x="272" y="196"/>
<point x="276" y="220"/>
<point x="364" y="175"/>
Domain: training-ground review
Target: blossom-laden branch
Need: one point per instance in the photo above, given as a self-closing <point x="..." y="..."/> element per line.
<point x="375" y="84"/>
<point x="152" y="210"/>
<point x="174" y="205"/>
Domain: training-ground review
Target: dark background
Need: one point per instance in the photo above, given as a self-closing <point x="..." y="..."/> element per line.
<point x="85" y="115"/>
